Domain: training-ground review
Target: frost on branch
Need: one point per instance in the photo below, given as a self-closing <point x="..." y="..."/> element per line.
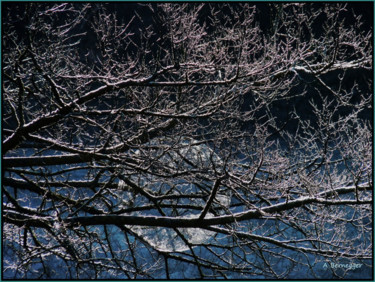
<point x="187" y="140"/>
